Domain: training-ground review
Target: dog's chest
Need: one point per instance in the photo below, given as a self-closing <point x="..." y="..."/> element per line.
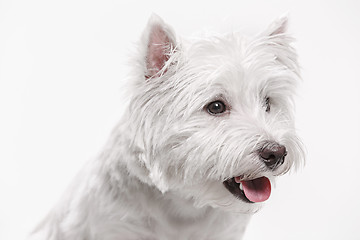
<point x="177" y="219"/>
<point x="209" y="228"/>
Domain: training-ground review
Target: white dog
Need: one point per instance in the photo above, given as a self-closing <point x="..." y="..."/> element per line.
<point x="208" y="127"/>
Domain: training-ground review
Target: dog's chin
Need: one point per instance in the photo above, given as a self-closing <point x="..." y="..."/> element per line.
<point x="216" y="195"/>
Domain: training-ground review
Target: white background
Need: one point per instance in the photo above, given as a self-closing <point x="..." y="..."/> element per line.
<point x="61" y="70"/>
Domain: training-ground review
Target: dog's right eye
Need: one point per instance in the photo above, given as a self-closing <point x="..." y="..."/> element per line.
<point x="216" y="107"/>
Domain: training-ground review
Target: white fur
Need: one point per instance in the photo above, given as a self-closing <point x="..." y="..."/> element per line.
<point x="160" y="175"/>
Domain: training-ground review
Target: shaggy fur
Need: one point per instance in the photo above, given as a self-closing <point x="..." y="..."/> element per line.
<point x="161" y="174"/>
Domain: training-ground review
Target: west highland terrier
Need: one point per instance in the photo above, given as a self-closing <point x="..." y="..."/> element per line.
<point x="208" y="127"/>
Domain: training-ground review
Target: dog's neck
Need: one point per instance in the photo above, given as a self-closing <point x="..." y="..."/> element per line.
<point x="143" y="202"/>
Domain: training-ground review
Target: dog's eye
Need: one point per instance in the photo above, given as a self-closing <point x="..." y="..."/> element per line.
<point x="267" y="104"/>
<point x="216" y="107"/>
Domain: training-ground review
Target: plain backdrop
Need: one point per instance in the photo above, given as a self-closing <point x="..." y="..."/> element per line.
<point x="62" y="65"/>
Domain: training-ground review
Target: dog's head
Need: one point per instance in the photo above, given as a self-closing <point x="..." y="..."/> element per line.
<point x="213" y="120"/>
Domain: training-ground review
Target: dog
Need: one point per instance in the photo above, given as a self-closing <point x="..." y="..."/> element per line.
<point x="208" y="127"/>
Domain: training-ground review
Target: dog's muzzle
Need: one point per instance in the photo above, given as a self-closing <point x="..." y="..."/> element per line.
<point x="258" y="189"/>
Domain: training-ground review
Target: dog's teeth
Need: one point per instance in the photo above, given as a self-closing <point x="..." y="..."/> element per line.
<point x="238" y="179"/>
<point x="241" y="187"/>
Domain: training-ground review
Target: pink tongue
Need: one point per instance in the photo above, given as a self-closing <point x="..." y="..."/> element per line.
<point x="257" y="190"/>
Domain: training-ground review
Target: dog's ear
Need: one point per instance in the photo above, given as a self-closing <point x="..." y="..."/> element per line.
<point x="159" y="42"/>
<point x="279" y="40"/>
<point x="276" y="34"/>
<point x="278" y="27"/>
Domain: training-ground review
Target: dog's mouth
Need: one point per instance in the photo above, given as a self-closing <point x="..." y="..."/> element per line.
<point x="250" y="191"/>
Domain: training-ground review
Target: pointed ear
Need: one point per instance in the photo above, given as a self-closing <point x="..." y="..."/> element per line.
<point x="277" y="37"/>
<point x="160" y="43"/>
<point x="278" y="27"/>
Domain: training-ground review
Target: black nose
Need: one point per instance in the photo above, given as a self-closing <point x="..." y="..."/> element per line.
<point x="273" y="155"/>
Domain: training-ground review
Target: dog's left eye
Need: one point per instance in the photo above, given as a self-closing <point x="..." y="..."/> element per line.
<point x="216" y="107"/>
<point x="267" y="104"/>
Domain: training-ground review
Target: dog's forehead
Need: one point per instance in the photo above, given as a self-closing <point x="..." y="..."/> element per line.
<point x="216" y="50"/>
<point x="233" y="61"/>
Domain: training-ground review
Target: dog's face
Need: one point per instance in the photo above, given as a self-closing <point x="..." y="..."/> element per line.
<point x="214" y="120"/>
